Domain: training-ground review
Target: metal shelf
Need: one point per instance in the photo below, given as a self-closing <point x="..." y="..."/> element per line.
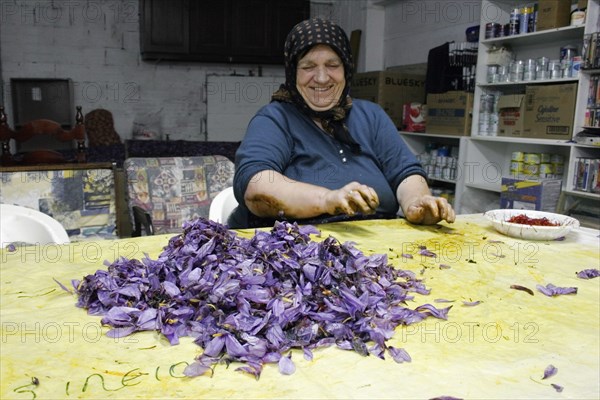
<point x="534" y="38"/>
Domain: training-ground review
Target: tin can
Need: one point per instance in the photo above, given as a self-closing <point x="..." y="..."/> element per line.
<point x="492" y="30"/>
<point x="516" y="167"/>
<point x="555" y="70"/>
<point x="513" y="22"/>
<point x="529" y="69"/>
<point x="576" y="67"/>
<point x="516" y="71"/>
<point x="531" y="169"/>
<point x="545" y="158"/>
<point x="518" y="156"/>
<point x="568" y="52"/>
<point x="546" y="170"/>
<point x="558" y="169"/>
<point x="526" y="13"/>
<point x="532" y="158"/>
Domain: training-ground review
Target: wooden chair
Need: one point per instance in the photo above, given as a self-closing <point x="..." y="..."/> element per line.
<point x="49" y="130"/>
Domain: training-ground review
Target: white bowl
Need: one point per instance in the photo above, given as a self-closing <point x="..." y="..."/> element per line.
<point x="499" y="219"/>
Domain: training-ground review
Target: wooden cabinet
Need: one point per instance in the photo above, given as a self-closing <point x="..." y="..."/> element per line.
<point x="226" y="31"/>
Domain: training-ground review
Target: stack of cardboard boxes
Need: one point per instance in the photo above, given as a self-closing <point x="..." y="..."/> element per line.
<point x="391" y="90"/>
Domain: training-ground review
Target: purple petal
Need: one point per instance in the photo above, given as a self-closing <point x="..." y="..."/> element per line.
<point x="550" y="370"/>
<point x="63" y="286"/>
<point x="427" y="253"/>
<point x="406" y="255"/>
<point x="471" y="303"/>
<point x="196" y="368"/>
<point x="432" y="310"/>
<point x="286" y="365"/>
<point x="215" y="346"/>
<point x="550" y="290"/>
<point x="589" y="273"/>
<point x="120" y="332"/>
<point x="399" y="355"/>
<point x="556" y="387"/>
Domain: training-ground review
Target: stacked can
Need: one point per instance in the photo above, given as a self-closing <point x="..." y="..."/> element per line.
<point x="439" y="163"/>
<point x="488" y="115"/>
<point x="529" y="70"/>
<point x="567" y="54"/>
<point x="541" y="66"/>
<point x="516" y="163"/>
<point x="546" y="169"/>
<point x="557" y="162"/>
<point x="531" y="165"/>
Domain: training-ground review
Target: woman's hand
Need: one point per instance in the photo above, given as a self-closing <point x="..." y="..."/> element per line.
<point x="351" y="199"/>
<point x="429" y="210"/>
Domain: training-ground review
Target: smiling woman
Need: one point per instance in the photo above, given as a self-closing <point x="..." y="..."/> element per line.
<point x="316" y="155"/>
<point x="320" y="78"/>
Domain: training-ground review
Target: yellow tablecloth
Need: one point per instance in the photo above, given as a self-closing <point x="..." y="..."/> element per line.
<point x="497" y="349"/>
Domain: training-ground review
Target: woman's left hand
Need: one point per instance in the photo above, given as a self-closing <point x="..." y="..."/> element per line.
<point x="429" y="210"/>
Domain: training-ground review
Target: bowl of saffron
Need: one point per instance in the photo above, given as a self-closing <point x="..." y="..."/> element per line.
<point x="531" y="224"/>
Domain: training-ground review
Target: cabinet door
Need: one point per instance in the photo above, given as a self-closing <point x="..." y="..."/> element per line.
<point x="210" y="27"/>
<point x="251" y="29"/>
<point x="164" y="27"/>
<point x="286" y="15"/>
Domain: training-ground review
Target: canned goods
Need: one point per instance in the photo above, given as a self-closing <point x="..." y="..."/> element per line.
<point x="531" y="169"/>
<point x="524" y="16"/>
<point x="503" y="73"/>
<point x="492" y="73"/>
<point x="576" y="67"/>
<point x="568" y="52"/>
<point x="555" y="69"/>
<point x="529" y="69"/>
<point x="492" y="30"/>
<point x="513" y="22"/>
<point x="516" y="71"/>
<point x="558" y="168"/>
<point x="545" y="158"/>
<point x="518" y="156"/>
<point x="532" y="158"/>
<point x="546" y="170"/>
<point x="516" y="167"/>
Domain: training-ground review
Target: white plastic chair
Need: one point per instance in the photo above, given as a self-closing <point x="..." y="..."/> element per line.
<point x="222" y="206"/>
<point x="24" y="225"/>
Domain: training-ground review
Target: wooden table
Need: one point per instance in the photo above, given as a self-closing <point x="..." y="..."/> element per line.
<point x="495" y="350"/>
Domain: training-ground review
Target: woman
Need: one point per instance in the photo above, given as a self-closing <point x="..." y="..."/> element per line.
<point x="316" y="155"/>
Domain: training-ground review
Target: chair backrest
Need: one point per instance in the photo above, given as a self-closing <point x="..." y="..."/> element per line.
<point x="222" y="206"/>
<point x="173" y="190"/>
<point x="24" y="225"/>
<point x="46" y="131"/>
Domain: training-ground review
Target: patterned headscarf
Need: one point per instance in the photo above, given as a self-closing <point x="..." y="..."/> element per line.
<point x="300" y="40"/>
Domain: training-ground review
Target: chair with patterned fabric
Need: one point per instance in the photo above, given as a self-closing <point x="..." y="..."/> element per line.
<point x="164" y="192"/>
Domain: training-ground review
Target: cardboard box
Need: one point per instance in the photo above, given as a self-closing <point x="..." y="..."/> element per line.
<point x="391" y="90"/>
<point x="511" y="118"/>
<point x="553" y="14"/>
<point x="450" y="113"/>
<point x="523" y="194"/>
<point x="549" y="111"/>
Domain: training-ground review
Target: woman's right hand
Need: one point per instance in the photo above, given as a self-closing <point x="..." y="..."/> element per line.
<point x="352" y="199"/>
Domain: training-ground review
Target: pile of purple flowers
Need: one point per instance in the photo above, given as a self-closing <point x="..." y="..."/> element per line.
<point x="253" y="300"/>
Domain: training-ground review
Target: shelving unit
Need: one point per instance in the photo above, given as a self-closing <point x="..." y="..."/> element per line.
<point x="418" y="144"/>
<point x="489" y="157"/>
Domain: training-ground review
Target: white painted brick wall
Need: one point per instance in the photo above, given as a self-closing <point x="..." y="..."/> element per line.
<point x="96" y="44"/>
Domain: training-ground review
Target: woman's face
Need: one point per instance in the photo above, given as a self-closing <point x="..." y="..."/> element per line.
<point x="320" y="78"/>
